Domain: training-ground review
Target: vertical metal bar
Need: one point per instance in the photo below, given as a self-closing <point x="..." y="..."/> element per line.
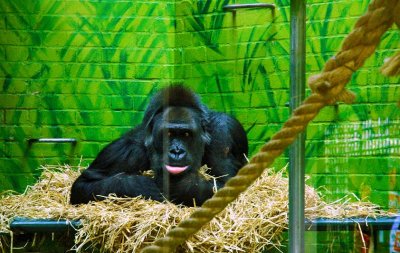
<point x="297" y="154"/>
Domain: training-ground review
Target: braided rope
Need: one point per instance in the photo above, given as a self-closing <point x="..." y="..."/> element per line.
<point x="391" y="67"/>
<point x="328" y="87"/>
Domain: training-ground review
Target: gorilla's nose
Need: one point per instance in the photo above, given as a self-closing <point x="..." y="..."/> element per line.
<point x="177" y="153"/>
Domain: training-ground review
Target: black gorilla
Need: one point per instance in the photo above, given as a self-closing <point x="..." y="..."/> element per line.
<point x="178" y="135"/>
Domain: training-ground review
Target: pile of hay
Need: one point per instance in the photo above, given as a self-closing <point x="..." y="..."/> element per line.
<point x="253" y="222"/>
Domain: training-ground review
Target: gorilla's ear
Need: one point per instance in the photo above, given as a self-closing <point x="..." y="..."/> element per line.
<point x="148" y="126"/>
<point x="206" y="137"/>
<point x="148" y="140"/>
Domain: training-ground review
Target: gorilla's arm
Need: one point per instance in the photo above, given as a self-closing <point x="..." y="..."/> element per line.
<point x="116" y="169"/>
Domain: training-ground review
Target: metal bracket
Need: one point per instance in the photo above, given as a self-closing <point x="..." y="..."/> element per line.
<point x="235" y="7"/>
<point x="52" y="140"/>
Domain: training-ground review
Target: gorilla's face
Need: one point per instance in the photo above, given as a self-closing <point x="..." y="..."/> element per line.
<point x="177" y="140"/>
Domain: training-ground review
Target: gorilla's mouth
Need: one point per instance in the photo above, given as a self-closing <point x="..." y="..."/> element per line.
<point x="175" y="170"/>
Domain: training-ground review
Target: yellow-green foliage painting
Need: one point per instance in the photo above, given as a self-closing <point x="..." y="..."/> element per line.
<point x="85" y="70"/>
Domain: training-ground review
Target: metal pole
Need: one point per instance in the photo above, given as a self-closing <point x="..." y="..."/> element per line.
<point x="296" y="156"/>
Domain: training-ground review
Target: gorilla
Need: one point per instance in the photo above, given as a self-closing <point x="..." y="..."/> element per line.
<point x="177" y="136"/>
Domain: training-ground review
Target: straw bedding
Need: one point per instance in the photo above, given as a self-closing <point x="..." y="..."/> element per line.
<point x="251" y="223"/>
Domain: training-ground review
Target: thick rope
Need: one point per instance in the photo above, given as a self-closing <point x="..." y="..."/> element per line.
<point x="391" y="67"/>
<point x="328" y="87"/>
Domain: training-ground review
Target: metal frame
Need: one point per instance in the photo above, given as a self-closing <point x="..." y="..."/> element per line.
<point x="297" y="150"/>
<point x="27" y="225"/>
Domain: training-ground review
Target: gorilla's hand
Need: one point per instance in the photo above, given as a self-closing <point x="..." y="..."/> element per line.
<point x="143" y="185"/>
<point x="191" y="189"/>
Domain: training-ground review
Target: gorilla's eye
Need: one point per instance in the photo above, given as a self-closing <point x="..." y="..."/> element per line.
<point x="169" y="133"/>
<point x="187" y="134"/>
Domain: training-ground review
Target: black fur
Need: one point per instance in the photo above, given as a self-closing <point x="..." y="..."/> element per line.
<point x="177" y="131"/>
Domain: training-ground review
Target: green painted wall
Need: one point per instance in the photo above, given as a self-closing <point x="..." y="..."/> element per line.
<point x="85" y="70"/>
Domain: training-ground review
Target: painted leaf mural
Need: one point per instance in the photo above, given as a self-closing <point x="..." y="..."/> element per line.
<point x="85" y="70"/>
